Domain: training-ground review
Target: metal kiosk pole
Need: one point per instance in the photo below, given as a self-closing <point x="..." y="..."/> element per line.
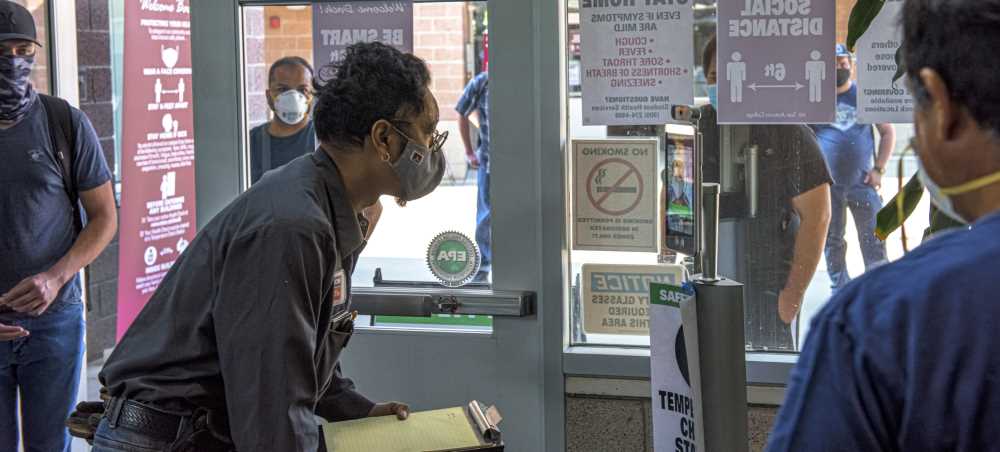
<point x="719" y="306"/>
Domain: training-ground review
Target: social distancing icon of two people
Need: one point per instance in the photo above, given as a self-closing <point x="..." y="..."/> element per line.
<point x="736" y="75"/>
<point x="815" y="75"/>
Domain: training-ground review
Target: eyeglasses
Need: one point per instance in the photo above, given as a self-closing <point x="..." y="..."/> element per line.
<point x="437" y="138"/>
<point x="27" y="50"/>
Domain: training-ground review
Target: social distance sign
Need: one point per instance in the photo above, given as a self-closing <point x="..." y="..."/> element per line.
<point x="158" y="175"/>
<point x="766" y="18"/>
<point x="775" y="61"/>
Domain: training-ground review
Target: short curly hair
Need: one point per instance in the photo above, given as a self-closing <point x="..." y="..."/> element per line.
<point x="959" y="40"/>
<point x="373" y="81"/>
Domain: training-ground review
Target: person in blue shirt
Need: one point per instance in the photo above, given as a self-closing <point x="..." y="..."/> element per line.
<point x="290" y="133"/>
<point x="476" y="98"/>
<point x="42" y="246"/>
<point x="905" y="357"/>
<point x="849" y="150"/>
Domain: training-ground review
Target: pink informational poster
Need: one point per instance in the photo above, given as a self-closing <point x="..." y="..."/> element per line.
<point x="157" y="161"/>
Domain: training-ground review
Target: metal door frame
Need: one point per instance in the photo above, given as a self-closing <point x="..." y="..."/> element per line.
<point x="528" y="83"/>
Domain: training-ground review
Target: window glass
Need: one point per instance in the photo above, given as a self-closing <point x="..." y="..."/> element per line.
<point x="452" y="38"/>
<point x="761" y="251"/>
<point x="116" y="22"/>
<point x="41" y="76"/>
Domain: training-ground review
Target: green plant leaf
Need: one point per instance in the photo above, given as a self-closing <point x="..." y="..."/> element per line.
<point x="941" y="222"/>
<point x="889" y="219"/>
<point x="862" y="15"/>
<point x="900" y="65"/>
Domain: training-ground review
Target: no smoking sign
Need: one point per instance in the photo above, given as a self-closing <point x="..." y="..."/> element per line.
<point x="614" y="206"/>
<point x="615" y="187"/>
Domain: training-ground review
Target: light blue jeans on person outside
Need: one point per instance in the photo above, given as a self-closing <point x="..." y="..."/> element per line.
<point x="484" y="232"/>
<point x="864" y="203"/>
<point x="43" y="369"/>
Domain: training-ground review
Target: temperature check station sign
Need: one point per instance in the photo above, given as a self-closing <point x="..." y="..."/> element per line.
<point x="615" y="197"/>
<point x="776" y="61"/>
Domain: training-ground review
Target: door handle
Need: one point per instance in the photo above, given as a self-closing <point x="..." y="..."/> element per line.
<point x="424" y="302"/>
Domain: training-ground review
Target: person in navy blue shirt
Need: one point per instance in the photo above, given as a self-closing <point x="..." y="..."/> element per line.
<point x="476" y="98"/>
<point x="849" y="149"/>
<point x="905" y="358"/>
<point x="41" y="250"/>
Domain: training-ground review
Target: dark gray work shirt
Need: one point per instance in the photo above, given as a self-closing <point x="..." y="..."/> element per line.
<point x="268" y="152"/>
<point x="36" y="218"/>
<point x="790" y="163"/>
<point x="241" y="323"/>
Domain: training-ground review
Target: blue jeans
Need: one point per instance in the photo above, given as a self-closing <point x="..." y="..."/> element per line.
<point x="864" y="203"/>
<point x="484" y="233"/>
<point x="121" y="439"/>
<point x="44" y="368"/>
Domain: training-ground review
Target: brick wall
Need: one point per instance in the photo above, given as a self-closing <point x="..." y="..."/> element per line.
<point x="40" y="75"/>
<point x="266" y="42"/>
<point x="94" y="65"/>
<point x="843" y="15"/>
<point x="256" y="67"/>
<point x="293" y="37"/>
<point x="439" y="34"/>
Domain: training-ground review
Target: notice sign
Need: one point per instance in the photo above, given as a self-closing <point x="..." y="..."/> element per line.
<point x="616" y="297"/>
<point x="776" y="61"/>
<point x="158" y="177"/>
<point x="615" y="200"/>
<point x="675" y="426"/>
<point x="880" y="99"/>
<point x="637" y="59"/>
<point x="338" y="25"/>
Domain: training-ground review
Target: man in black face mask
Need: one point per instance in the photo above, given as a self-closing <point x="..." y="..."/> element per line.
<point x="52" y="162"/>
<point x="849" y="150"/>
<point x="239" y="346"/>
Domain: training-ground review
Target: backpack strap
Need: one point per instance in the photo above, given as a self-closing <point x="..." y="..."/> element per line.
<point x="63" y="136"/>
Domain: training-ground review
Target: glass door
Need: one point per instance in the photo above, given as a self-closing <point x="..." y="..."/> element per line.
<point x="497" y="340"/>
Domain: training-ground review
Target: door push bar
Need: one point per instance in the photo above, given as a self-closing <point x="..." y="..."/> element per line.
<point x="426" y="301"/>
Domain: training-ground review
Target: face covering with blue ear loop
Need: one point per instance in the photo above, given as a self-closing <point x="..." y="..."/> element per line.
<point x="713" y="95"/>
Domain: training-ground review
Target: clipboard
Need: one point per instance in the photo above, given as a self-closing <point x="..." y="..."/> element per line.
<point x="473" y="427"/>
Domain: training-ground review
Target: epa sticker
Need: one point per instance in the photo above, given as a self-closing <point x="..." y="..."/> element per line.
<point x="453" y="258"/>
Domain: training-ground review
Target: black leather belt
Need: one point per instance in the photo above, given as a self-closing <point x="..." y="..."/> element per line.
<point x="149" y="421"/>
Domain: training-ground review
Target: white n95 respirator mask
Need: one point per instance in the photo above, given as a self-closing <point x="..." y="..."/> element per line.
<point x="291" y="107"/>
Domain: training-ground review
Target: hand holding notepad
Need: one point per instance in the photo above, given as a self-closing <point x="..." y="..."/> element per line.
<point x="449" y="429"/>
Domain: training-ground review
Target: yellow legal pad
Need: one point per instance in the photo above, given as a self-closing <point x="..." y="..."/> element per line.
<point x="438" y="430"/>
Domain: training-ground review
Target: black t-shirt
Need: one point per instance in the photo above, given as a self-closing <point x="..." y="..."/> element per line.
<point x="790" y="163"/>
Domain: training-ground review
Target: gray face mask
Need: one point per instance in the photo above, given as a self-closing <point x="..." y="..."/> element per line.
<point x="419" y="169"/>
<point x="16" y="93"/>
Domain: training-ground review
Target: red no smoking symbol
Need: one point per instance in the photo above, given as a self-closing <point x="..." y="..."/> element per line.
<point x="614" y="187"/>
